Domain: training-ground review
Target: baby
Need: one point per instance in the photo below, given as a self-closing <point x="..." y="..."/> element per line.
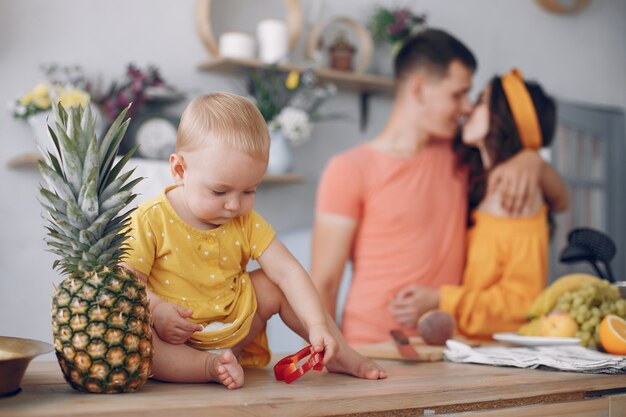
<point x="191" y="244"/>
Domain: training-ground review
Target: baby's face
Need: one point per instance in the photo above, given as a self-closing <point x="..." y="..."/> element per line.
<point x="220" y="183"/>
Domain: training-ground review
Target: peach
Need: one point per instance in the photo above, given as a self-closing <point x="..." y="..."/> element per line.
<point x="436" y="327"/>
<point x="559" y="324"/>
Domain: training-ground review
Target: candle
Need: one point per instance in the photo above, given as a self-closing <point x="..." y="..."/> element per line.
<point x="236" y="45"/>
<point x="273" y="41"/>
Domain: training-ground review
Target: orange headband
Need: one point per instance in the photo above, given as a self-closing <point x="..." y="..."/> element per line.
<point x="522" y="108"/>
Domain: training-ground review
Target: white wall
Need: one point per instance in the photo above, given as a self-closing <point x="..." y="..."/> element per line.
<point x="579" y="57"/>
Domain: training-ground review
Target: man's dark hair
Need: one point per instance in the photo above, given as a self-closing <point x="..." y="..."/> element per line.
<point x="432" y="50"/>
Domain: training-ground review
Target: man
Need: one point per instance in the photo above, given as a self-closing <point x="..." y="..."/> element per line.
<point x="397" y="205"/>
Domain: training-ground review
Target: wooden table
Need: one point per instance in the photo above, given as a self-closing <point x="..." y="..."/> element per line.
<point x="438" y="388"/>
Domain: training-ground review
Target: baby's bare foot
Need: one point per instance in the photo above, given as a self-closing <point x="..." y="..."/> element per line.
<point x="225" y="369"/>
<point x="349" y="361"/>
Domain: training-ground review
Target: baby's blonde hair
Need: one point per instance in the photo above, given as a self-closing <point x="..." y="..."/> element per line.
<point x="223" y="118"/>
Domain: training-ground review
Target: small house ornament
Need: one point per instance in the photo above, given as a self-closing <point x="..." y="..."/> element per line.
<point x="341" y="53"/>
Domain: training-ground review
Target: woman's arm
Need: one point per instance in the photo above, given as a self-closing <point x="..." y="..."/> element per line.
<point x="554" y="189"/>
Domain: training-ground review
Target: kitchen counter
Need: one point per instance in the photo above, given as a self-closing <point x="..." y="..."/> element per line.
<point x="411" y="389"/>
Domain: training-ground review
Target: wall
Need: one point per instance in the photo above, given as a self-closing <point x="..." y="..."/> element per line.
<point x="579" y="57"/>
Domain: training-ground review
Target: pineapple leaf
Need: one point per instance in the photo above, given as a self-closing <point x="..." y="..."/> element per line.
<point x="87" y="238"/>
<point x="118" y="224"/>
<point x="58" y="203"/>
<point x="115" y="200"/>
<point x="112" y="139"/>
<point x="89" y="258"/>
<point x="59" y="112"/>
<point x="76" y="216"/>
<point x="112" y="173"/>
<point x="98" y="226"/>
<point x="72" y="130"/>
<point x="132" y="184"/>
<point x="58" y="245"/>
<point x="54" y="163"/>
<point x="55" y="140"/>
<point x="90" y="162"/>
<point x="101" y="245"/>
<point x="66" y="227"/>
<point x="116" y="185"/>
<point x="88" y="197"/>
<point x="72" y="165"/>
<point x="55" y="181"/>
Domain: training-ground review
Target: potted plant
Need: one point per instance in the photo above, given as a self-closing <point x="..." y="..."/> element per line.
<point x="290" y="104"/>
<point x="64" y="84"/>
<point x="390" y="27"/>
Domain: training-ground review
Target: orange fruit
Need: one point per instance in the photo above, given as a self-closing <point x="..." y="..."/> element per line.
<point x="613" y="334"/>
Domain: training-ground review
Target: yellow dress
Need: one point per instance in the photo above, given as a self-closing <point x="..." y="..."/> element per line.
<point x="506" y="268"/>
<point x="203" y="270"/>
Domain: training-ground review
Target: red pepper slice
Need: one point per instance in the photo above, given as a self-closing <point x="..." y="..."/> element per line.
<point x="286" y="370"/>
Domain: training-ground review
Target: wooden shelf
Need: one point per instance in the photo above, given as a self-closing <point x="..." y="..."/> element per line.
<point x="363" y="83"/>
<point x="30" y="161"/>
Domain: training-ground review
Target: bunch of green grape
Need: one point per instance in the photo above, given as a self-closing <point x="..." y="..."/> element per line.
<point x="589" y="305"/>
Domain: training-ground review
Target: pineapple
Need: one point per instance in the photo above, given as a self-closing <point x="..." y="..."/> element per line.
<point x="100" y="316"/>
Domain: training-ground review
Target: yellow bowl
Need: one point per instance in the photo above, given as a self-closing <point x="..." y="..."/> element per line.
<point x="15" y="355"/>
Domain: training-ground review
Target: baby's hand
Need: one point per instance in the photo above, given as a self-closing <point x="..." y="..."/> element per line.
<point x="321" y="340"/>
<point x="171" y="324"/>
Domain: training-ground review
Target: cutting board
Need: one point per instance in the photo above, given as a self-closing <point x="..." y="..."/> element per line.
<point x="427" y="353"/>
<point x="387" y="350"/>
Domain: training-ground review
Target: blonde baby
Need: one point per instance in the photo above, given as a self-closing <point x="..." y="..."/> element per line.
<point x="192" y="244"/>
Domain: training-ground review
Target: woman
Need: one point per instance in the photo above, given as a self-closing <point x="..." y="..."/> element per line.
<point x="507" y="259"/>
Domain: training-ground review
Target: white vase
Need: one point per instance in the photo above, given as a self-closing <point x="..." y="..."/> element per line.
<point x="39" y="126"/>
<point x="281" y="155"/>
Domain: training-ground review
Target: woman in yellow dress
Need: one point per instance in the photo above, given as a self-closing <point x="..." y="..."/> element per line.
<point x="507" y="256"/>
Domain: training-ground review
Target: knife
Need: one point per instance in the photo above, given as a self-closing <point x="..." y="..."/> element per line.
<point x="403" y="345"/>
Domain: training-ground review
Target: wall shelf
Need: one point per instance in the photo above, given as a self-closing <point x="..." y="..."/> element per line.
<point x="29" y="161"/>
<point x="362" y="83"/>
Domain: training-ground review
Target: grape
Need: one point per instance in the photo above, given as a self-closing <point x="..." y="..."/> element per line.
<point x="589" y="305"/>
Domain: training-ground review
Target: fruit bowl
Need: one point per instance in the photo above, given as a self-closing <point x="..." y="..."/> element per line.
<point x="621" y="286"/>
<point x="15" y="355"/>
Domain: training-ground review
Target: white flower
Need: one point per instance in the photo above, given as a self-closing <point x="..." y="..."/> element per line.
<point x="294" y="123"/>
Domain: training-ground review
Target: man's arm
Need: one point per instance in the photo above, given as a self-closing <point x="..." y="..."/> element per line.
<point x="519" y="178"/>
<point x="333" y="236"/>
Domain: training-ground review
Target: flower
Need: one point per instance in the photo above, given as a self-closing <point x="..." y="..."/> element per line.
<point x="65" y="84"/>
<point x="394" y="25"/>
<point x="289" y="102"/>
<point x="294" y="123"/>
<point x="136" y="86"/>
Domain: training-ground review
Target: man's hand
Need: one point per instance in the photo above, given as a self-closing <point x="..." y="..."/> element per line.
<point x="412" y="302"/>
<point x="322" y="341"/>
<point x="171" y="324"/>
<point x="517" y="179"/>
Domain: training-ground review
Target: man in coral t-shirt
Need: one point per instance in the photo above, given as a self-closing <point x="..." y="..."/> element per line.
<point x="397" y="205"/>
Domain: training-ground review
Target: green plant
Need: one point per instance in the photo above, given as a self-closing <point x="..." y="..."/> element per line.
<point x="395" y="24"/>
<point x="289" y="102"/>
<point x="64" y="84"/>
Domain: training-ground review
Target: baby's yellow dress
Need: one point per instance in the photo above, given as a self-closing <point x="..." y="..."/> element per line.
<point x="203" y="270"/>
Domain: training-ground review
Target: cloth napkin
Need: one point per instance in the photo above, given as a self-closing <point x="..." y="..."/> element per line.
<point x="562" y="358"/>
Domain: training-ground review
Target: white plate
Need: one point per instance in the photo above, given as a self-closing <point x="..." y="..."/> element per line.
<point x="535" y="340"/>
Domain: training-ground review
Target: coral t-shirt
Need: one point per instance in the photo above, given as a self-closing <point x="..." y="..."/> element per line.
<point x="411" y="214"/>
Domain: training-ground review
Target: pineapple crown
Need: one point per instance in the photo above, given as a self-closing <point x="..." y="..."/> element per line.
<point x="85" y="194"/>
